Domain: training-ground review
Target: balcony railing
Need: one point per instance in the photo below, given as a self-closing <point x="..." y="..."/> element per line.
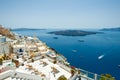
<point x="92" y="76"/>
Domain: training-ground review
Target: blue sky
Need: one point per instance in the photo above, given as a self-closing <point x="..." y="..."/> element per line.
<point x="60" y="13"/>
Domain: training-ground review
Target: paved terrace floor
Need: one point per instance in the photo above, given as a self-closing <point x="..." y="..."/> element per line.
<point x="45" y="68"/>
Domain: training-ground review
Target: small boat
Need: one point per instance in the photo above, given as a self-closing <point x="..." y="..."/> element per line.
<point x="55" y="37"/>
<point x="74" y="50"/>
<point x="81" y="40"/>
<point x="101" y="56"/>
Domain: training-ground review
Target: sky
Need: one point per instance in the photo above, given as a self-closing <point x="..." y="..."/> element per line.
<point x="60" y="13"/>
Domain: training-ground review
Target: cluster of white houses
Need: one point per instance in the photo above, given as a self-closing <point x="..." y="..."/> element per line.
<point x="21" y="45"/>
<point x="37" y="61"/>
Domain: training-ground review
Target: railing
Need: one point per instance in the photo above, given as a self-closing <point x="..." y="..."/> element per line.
<point x="83" y="73"/>
<point x="92" y="76"/>
<point x="88" y="75"/>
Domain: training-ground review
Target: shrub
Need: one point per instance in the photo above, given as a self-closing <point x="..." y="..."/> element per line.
<point x="106" y="77"/>
<point x="62" y="78"/>
<point x="54" y="61"/>
<point x="1" y="61"/>
<point x="32" y="60"/>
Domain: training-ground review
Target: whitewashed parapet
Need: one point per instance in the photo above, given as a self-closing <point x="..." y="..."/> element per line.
<point x="6" y="74"/>
<point x="64" y="67"/>
<point x="29" y="76"/>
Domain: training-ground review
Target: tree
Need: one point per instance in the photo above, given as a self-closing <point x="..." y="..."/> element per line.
<point x="62" y="78"/>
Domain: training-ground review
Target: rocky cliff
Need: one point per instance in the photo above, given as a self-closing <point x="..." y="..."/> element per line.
<point x="6" y="32"/>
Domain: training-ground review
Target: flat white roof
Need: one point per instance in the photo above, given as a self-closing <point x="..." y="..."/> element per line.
<point x="18" y="46"/>
<point x="42" y="48"/>
<point x="46" y="70"/>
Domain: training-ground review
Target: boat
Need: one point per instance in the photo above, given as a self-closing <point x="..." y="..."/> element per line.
<point x="81" y="40"/>
<point x="101" y="56"/>
<point x="55" y="37"/>
<point x="74" y="50"/>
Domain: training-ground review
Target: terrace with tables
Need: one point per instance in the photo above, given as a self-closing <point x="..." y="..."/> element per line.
<point x="44" y="68"/>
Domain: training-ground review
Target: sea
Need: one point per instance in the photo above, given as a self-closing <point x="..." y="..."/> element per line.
<point x="85" y="54"/>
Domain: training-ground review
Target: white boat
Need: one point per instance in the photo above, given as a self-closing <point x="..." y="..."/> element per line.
<point x="101" y="56"/>
<point x="74" y="50"/>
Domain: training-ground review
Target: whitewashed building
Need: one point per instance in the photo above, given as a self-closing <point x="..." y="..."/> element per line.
<point x="2" y="39"/>
<point x="19" y="49"/>
<point x="4" y="46"/>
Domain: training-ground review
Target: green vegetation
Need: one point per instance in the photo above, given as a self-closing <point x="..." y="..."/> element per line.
<point x="1" y="61"/>
<point x="62" y="78"/>
<point x="78" y="71"/>
<point x="5" y="57"/>
<point x="106" y="77"/>
<point x="32" y="60"/>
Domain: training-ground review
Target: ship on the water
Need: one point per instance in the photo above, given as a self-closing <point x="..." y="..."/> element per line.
<point x="81" y="40"/>
<point x="101" y="56"/>
<point x="74" y="51"/>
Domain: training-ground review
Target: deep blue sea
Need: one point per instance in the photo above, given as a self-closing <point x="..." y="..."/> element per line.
<point x="87" y="52"/>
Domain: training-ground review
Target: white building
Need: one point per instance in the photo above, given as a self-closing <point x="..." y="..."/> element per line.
<point x="4" y="46"/>
<point x="2" y="39"/>
<point x="19" y="49"/>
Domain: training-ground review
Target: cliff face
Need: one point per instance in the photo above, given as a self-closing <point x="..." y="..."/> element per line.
<point x="6" y="32"/>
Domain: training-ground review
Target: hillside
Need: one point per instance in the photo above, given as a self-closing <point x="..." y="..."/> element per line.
<point x="6" y="32"/>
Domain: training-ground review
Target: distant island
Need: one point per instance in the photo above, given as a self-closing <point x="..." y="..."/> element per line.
<point x="110" y="29"/>
<point x="73" y="32"/>
<point x="19" y="29"/>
